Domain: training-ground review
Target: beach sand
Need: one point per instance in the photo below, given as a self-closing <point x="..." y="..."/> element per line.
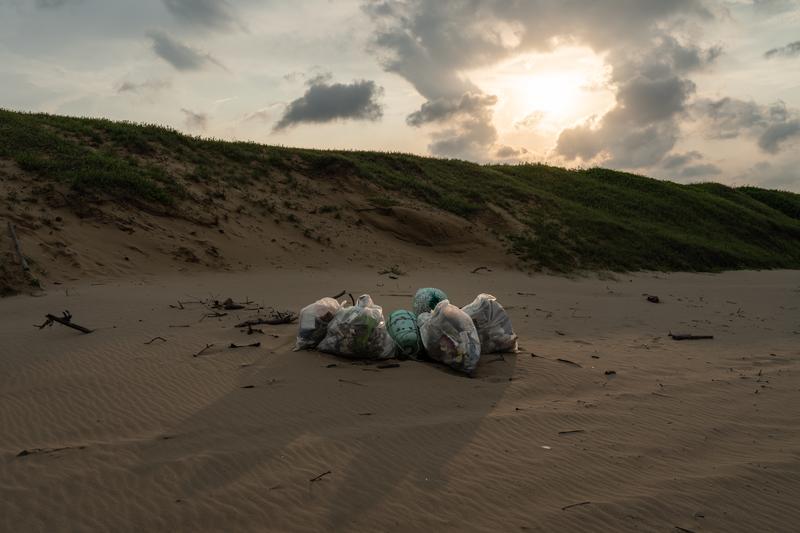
<point x="601" y="422"/>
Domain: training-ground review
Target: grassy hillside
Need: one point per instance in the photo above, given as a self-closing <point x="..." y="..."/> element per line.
<point x="567" y="219"/>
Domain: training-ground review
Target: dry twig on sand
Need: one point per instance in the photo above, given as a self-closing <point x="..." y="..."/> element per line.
<point x="65" y="320"/>
<point x="688" y="337"/>
<point x="201" y="352"/>
<point x="13" y="233"/>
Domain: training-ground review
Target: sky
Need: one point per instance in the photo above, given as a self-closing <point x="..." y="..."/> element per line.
<point x="686" y="90"/>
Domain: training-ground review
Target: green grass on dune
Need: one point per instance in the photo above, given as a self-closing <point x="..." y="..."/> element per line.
<point x="575" y="219"/>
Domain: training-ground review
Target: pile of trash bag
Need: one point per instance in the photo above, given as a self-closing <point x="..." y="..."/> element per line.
<point x="436" y="328"/>
<point x="450" y="337"/>
<point x="314" y="320"/>
<point x="359" y="332"/>
<point x="493" y="324"/>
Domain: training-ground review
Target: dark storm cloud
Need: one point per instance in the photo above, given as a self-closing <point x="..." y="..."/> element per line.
<point x="774" y="126"/>
<point x="431" y="43"/>
<point x="790" y="50"/>
<point x="177" y="54"/>
<point x="328" y="102"/>
<point x="210" y="14"/>
<point x="195" y="120"/>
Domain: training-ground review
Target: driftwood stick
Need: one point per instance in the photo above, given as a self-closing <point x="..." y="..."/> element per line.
<point x="201" y="352"/>
<point x="574" y="505"/>
<point x="154" y="339"/>
<point x="13" y="232"/>
<point x="690" y="337"/>
<point x="322" y="475"/>
<point x="65" y="320"/>
<point x="254" y="345"/>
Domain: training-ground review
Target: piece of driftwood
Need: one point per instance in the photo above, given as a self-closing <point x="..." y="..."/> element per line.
<point x="253" y="345"/>
<point x="22" y="261"/>
<point x="568" y="362"/>
<point x="151" y="341"/>
<point x="571" y="431"/>
<point x="389" y="365"/>
<point x="476" y="270"/>
<point x="317" y="478"/>
<point x="65" y="320"/>
<point x="275" y="318"/>
<point x="570" y="506"/>
<point x="201" y="352"/>
<point x="687" y="337"/>
<point x="351" y="382"/>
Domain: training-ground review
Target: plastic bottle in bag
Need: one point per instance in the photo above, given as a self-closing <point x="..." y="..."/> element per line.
<point x="314" y="319"/>
<point x="450" y="337"/>
<point x="402" y="327"/>
<point x="359" y="332"/>
<point x="493" y="324"/>
<point x="425" y="300"/>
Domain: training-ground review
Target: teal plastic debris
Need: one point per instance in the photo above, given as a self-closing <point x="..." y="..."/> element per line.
<point x="426" y="300"/>
<point x="402" y="326"/>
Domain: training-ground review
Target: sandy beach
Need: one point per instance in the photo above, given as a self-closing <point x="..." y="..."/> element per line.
<point x="601" y="422"/>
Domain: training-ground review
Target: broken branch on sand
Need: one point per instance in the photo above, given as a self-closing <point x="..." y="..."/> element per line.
<point x="13" y="233"/>
<point x="574" y="505"/>
<point x="322" y="475"/>
<point x="151" y="341"/>
<point x="687" y="337"/>
<point x="476" y="270"/>
<point x="253" y="345"/>
<point x="568" y="362"/>
<point x="276" y="318"/>
<point x="66" y="320"/>
<point x="201" y="352"/>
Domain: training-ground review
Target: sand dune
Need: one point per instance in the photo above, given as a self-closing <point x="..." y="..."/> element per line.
<point x="642" y="432"/>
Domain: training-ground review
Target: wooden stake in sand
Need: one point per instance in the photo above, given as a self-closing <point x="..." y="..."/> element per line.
<point x="66" y="320"/>
<point x="13" y="233"/>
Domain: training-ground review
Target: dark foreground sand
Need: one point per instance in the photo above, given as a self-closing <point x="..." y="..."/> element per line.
<point x="126" y="436"/>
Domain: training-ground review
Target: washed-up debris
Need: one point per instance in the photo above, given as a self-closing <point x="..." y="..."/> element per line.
<point x="64" y="320"/>
<point x="253" y="345"/>
<point x="688" y="337"/>
<point x="151" y="341"/>
<point x="653" y="299"/>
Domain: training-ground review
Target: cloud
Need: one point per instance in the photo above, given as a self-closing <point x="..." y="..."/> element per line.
<point x="432" y="43"/>
<point x="328" y="102"/>
<point x="209" y="14"/>
<point x="179" y="55"/>
<point x="790" y="50"/>
<point x="700" y="171"/>
<point x="194" y="120"/>
<point x="509" y="152"/>
<point x="444" y="109"/>
<point x="145" y="86"/>
<point x="680" y="160"/>
<point x="773" y="126"/>
<point x="652" y="95"/>
<point x="54" y="4"/>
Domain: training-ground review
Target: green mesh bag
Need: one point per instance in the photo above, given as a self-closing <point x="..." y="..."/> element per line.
<point x="402" y="326"/>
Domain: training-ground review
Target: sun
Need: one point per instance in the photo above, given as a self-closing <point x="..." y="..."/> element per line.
<point x="546" y="92"/>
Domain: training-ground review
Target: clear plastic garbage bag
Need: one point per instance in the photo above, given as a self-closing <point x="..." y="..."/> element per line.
<point x="450" y="337"/>
<point x="359" y="332"/>
<point x="314" y="320"/>
<point x="426" y="299"/>
<point x="493" y="324"/>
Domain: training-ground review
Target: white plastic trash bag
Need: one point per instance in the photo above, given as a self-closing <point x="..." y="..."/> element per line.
<point x="450" y="337"/>
<point x="314" y="321"/>
<point x="359" y="332"/>
<point x="493" y="324"/>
